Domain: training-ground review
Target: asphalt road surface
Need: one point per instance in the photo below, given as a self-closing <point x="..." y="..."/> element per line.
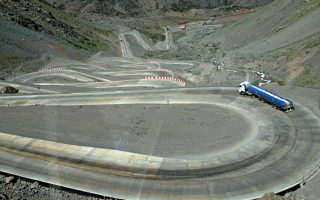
<point x="160" y="130"/>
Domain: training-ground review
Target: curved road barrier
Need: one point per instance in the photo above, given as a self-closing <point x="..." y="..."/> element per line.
<point x="51" y="69"/>
<point x="182" y="83"/>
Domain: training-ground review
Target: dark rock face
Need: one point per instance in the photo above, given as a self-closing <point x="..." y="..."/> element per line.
<point x="10" y="90"/>
<point x="23" y="21"/>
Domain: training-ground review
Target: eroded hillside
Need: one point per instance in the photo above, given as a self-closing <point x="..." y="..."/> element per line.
<point x="32" y="31"/>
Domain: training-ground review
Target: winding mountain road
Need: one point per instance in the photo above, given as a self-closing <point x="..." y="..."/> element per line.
<point x="102" y="127"/>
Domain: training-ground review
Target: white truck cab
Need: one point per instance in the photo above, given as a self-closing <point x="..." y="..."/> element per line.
<point x="243" y="87"/>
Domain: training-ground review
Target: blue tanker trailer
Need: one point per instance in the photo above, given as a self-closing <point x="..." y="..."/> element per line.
<point x="280" y="102"/>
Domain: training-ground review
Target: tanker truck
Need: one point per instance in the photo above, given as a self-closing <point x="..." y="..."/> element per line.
<point x="280" y="102"/>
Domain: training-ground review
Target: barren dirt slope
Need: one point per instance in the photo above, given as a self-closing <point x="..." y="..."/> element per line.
<point x="142" y="7"/>
<point x="280" y="23"/>
<point x="281" y="39"/>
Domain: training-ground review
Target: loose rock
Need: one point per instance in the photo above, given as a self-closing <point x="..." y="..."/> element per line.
<point x="8" y="179"/>
<point x="34" y="185"/>
<point x="11" y="90"/>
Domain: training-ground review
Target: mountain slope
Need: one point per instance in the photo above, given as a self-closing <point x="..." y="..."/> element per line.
<point x="38" y="29"/>
<point x="140" y="7"/>
<point x="281" y="39"/>
<point x="279" y="24"/>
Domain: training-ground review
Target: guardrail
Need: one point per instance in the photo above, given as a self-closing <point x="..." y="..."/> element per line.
<point x="51" y="69"/>
<point x="180" y="82"/>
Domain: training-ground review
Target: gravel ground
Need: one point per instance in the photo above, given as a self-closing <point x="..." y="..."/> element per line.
<point x="18" y="188"/>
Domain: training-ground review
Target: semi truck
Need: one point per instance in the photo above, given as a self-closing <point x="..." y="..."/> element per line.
<point x="280" y="102"/>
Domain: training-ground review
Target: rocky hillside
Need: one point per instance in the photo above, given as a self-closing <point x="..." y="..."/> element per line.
<point x="282" y="39"/>
<point x="39" y="16"/>
<point x="33" y="31"/>
<point x="140" y="7"/>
